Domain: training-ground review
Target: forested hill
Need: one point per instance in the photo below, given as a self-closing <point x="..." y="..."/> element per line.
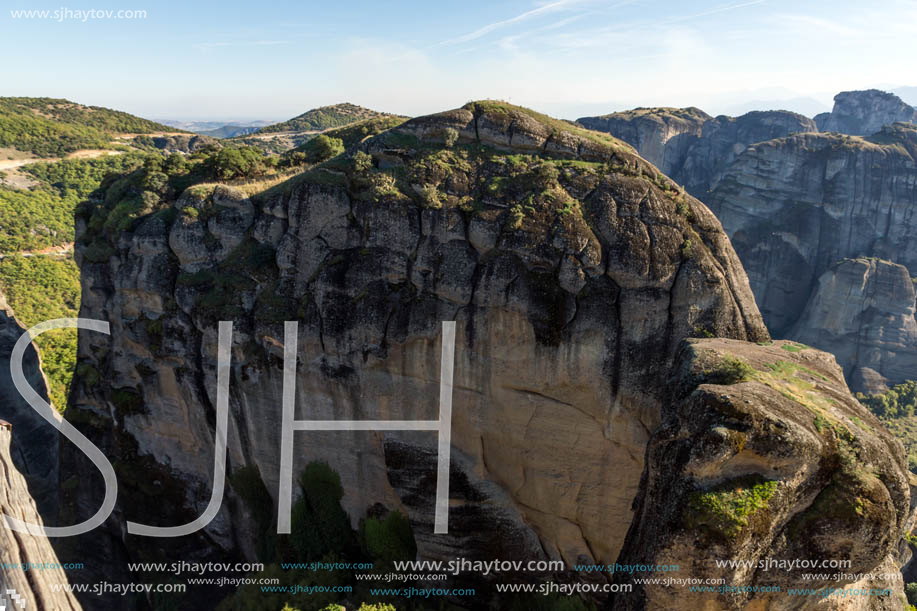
<point x="49" y="127"/>
<point x="325" y="117"/>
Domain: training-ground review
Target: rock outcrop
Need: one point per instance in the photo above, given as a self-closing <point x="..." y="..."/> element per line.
<point x="35" y="450"/>
<point x="574" y="272"/>
<point x="794" y="206"/>
<point x="862" y="311"/>
<point x="692" y="147"/>
<point x="662" y="136"/>
<point x="29" y="567"/>
<point x="774" y="465"/>
<point x="862" y="113"/>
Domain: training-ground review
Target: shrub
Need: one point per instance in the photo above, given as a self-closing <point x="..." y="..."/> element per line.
<point x="430" y="196"/>
<point x="730" y="370"/>
<point x="450" y="137"/>
<point x="727" y="508"/>
<point x="362" y="162"/>
<point x="389" y="539"/>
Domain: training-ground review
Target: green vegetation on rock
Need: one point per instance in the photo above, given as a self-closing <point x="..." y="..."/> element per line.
<point x="727" y="508"/>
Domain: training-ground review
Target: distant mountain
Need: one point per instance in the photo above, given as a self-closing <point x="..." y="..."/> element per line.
<point x="49" y="127"/>
<point x="220" y="129"/>
<point x="230" y="131"/>
<point x="326" y="117"/>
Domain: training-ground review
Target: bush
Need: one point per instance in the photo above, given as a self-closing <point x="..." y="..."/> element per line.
<point x="450" y="137"/>
<point x="898" y="402"/>
<point x="362" y="162"/>
<point x="430" y="197"/>
<point x="324" y="148"/>
<point x="730" y="370"/>
<point x="389" y="539"/>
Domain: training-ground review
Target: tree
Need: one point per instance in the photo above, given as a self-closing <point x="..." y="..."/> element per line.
<point x="362" y="162"/>
<point x="324" y="148"/>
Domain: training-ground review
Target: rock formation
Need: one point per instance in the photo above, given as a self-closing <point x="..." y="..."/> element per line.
<point x="573" y="269"/>
<point x="862" y="311"/>
<point x="794" y="206"/>
<point x="692" y="147"/>
<point x="778" y="465"/>
<point x="37" y="566"/>
<point x="862" y="113"/>
<point x="35" y="451"/>
<point x="662" y="136"/>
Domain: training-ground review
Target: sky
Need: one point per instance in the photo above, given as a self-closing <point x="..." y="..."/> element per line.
<point x="269" y="60"/>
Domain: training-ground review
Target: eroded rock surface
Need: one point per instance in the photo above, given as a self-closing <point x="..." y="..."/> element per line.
<point x="693" y="147"/>
<point x="863" y="312"/>
<point x="795" y="206"/>
<point x="574" y="272"/>
<point x="772" y="460"/>
<point x="37" y="568"/>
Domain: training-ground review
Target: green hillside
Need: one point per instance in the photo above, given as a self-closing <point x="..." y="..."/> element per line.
<point x="320" y="119"/>
<point x="49" y="127"/>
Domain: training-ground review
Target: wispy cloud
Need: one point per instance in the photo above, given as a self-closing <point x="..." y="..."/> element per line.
<point x="558" y="5"/>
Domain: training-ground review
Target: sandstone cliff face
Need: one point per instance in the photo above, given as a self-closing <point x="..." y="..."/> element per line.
<point x="779" y="465"/>
<point x="572" y="283"/>
<point x="861" y="113"/>
<point x="32" y="584"/>
<point x="574" y="272"/>
<point x="692" y="147"/>
<point x="724" y="139"/>
<point x="794" y="206"/>
<point x="663" y="136"/>
<point x="862" y="311"/>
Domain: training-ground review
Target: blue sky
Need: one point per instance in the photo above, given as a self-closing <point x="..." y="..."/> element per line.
<point x="273" y="60"/>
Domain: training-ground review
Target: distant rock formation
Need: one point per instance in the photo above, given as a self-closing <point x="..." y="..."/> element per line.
<point x="689" y="145"/>
<point x="662" y="136"/>
<point x="862" y="311"/>
<point x="862" y="113"/>
<point x="795" y="206"/>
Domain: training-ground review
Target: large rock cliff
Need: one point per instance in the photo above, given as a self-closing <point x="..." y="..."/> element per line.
<point x="35" y="451"/>
<point x="794" y="206"/>
<point x="862" y="311"/>
<point x="662" y="136"/>
<point x="769" y="468"/>
<point x="573" y="269"/>
<point x="692" y="147"/>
